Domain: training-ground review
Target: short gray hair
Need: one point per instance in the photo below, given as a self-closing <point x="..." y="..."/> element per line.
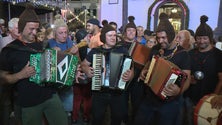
<point x="12" y="22"/>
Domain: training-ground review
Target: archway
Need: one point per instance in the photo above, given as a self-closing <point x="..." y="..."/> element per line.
<point x="176" y="10"/>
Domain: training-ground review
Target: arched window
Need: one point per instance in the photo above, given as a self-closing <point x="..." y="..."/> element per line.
<point x="177" y="11"/>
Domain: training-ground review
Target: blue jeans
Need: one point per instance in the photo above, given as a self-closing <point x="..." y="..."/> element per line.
<point x="118" y="107"/>
<point x="159" y="113"/>
<point x="66" y="97"/>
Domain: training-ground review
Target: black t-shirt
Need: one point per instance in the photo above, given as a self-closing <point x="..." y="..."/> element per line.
<point x="116" y="49"/>
<point x="210" y="63"/>
<point x="13" y="58"/>
<point x="127" y="45"/>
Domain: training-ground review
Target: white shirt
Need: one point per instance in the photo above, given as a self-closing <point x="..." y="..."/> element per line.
<point x="5" y="41"/>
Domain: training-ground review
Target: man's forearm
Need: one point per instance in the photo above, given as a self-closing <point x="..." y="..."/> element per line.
<point x="8" y="78"/>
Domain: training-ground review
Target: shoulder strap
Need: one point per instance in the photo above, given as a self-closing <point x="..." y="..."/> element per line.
<point x="21" y="48"/>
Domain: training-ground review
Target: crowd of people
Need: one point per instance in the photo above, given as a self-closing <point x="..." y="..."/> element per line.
<point x="195" y="54"/>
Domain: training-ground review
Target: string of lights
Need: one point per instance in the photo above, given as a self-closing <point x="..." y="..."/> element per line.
<point x="50" y="4"/>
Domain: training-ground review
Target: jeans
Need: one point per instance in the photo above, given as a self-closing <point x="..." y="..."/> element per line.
<point x="162" y="113"/>
<point x="52" y="109"/>
<point x="66" y="97"/>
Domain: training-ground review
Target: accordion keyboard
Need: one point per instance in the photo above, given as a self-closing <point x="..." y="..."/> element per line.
<point x="99" y="73"/>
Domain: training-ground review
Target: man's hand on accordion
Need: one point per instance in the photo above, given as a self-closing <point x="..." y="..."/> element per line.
<point x="89" y="72"/>
<point x="171" y="90"/>
<point x="143" y="74"/>
<point x="128" y="75"/>
<point x="26" y="72"/>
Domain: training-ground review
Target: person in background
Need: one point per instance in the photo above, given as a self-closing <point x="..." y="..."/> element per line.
<point x="129" y="33"/>
<point x="93" y="27"/>
<point x="206" y="68"/>
<point x="40" y="37"/>
<point x="105" y="22"/>
<point x="7" y="101"/>
<point x="35" y="100"/>
<point x="140" y="35"/>
<point x="82" y="90"/>
<point x="192" y="40"/>
<point x="101" y="99"/>
<point x="49" y="34"/>
<point x="44" y="27"/>
<point x="13" y="33"/>
<point x="153" y="110"/>
<point x="135" y="89"/>
<point x="183" y="37"/>
<point x="148" y="33"/>
<point x="62" y="42"/>
<point x="114" y="25"/>
<point x="2" y="28"/>
<point x="151" y="41"/>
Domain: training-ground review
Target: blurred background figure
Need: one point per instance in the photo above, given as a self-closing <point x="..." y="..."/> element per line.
<point x="151" y="41"/>
<point x="40" y="36"/>
<point x="140" y="35"/>
<point x="183" y="38"/>
<point x="93" y="27"/>
<point x="49" y="34"/>
<point x="2" y="28"/>
<point x="148" y="33"/>
<point x="82" y="90"/>
<point x="13" y="33"/>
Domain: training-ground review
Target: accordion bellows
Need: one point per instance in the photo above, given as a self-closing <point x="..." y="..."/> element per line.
<point x="53" y="67"/>
<point x="162" y="72"/>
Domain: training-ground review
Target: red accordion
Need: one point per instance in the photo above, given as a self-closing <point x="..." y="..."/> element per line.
<point x="140" y="53"/>
<point x="162" y="72"/>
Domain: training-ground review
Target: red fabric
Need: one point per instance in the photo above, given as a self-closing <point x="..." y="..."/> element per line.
<point x="82" y="95"/>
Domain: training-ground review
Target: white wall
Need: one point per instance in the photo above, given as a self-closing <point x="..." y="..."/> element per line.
<point x="203" y="7"/>
<point x="111" y="12"/>
<point x="139" y="9"/>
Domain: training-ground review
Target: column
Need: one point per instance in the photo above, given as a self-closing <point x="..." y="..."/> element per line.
<point x="218" y="29"/>
<point x="125" y="12"/>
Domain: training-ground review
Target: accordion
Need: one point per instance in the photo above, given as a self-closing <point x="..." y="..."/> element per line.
<point x="139" y="53"/>
<point x="162" y="72"/>
<point x="109" y="76"/>
<point x="53" y="67"/>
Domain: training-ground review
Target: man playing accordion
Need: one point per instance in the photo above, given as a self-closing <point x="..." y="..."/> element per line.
<point x="15" y="69"/>
<point x="153" y="109"/>
<point x="115" y="98"/>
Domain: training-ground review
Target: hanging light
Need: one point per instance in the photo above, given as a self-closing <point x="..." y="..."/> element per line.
<point x="174" y="10"/>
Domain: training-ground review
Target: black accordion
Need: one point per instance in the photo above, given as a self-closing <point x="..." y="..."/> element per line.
<point x="53" y="67"/>
<point x="118" y="64"/>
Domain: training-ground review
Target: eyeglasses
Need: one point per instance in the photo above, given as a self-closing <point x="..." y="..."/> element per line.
<point x="151" y="41"/>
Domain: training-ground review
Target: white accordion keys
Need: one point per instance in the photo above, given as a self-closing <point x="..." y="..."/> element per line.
<point x="99" y="71"/>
